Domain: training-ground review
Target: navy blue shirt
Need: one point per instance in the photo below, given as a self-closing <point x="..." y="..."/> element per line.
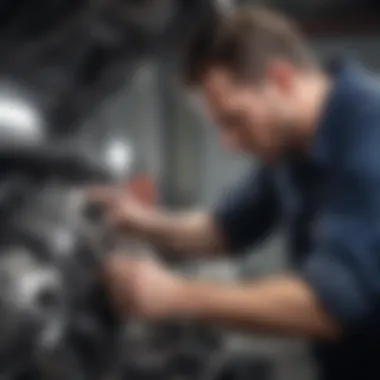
<point x="330" y="200"/>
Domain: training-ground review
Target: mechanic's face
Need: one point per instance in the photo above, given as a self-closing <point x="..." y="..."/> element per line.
<point x="253" y="118"/>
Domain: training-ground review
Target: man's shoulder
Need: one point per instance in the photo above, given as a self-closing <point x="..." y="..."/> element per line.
<point x="362" y="113"/>
<point x="356" y="140"/>
<point x="366" y="92"/>
<point x="359" y="95"/>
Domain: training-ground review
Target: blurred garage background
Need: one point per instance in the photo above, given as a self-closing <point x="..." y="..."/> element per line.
<point x="103" y="73"/>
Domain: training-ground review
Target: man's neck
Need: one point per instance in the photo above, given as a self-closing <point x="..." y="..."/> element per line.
<point x="314" y="94"/>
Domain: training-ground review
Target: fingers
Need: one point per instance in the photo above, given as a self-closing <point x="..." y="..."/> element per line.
<point x="119" y="274"/>
<point x="113" y="199"/>
<point x="109" y="194"/>
<point x="121" y="209"/>
<point x="114" y="267"/>
<point x="104" y="195"/>
<point x="104" y="205"/>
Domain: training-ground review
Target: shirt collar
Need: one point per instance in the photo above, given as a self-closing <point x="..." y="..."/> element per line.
<point x="344" y="73"/>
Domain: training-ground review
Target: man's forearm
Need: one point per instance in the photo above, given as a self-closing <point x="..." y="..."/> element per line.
<point x="282" y="306"/>
<point x="192" y="233"/>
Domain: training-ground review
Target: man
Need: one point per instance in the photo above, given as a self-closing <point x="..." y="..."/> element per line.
<point x="317" y="134"/>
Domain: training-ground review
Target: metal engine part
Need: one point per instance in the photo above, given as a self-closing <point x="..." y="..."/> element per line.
<point x="55" y="320"/>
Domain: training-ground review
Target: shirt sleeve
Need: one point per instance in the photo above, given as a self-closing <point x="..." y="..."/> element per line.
<point x="344" y="269"/>
<point x="249" y="211"/>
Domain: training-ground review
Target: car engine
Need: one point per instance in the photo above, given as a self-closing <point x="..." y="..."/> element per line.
<point x="55" y="321"/>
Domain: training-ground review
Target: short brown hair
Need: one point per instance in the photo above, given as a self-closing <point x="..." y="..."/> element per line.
<point x="244" y="42"/>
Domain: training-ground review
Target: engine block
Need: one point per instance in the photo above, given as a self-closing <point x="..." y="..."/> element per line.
<point x="55" y="320"/>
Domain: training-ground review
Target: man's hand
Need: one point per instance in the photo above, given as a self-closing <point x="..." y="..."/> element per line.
<point x="123" y="209"/>
<point x="280" y="306"/>
<point x="189" y="233"/>
<point x="142" y="287"/>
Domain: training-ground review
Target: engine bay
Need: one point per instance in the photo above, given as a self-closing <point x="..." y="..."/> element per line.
<point x="56" y="322"/>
